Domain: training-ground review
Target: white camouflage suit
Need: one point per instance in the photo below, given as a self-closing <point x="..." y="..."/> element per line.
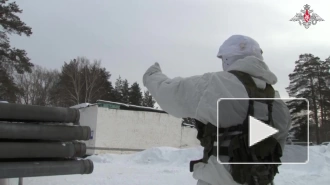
<point x="196" y="97"/>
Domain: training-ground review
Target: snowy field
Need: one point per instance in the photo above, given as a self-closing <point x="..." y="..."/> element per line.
<point x="169" y="166"/>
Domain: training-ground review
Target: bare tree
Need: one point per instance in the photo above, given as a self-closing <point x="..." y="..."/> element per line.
<point x="83" y="82"/>
<point x="35" y="86"/>
<point x="72" y="77"/>
<point x="94" y="83"/>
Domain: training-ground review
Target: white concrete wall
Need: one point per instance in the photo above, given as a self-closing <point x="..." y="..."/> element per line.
<point x="140" y="130"/>
<point x="88" y="117"/>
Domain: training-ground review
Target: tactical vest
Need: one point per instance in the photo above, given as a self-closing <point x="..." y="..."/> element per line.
<point x="266" y="152"/>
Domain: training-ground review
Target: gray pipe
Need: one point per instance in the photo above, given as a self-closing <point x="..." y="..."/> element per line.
<point x="43" y="132"/>
<point x="20" y="181"/>
<point x="18" y="112"/>
<point x="18" y="150"/>
<point x="45" y="168"/>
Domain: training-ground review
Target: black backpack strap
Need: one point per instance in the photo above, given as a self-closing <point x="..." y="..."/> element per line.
<point x="258" y="173"/>
<point x="251" y="87"/>
<point x="247" y="81"/>
<point x="254" y="92"/>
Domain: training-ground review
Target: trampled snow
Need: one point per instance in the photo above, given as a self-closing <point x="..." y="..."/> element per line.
<point x="165" y="165"/>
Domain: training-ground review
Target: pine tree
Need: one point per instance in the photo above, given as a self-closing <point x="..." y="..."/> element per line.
<point x="308" y="80"/>
<point x="118" y="91"/>
<point x="125" y="92"/>
<point x="109" y="96"/>
<point x="298" y="111"/>
<point x="12" y="24"/>
<point x="148" y="100"/>
<point x="135" y="95"/>
<point x="324" y="99"/>
<point x="12" y="60"/>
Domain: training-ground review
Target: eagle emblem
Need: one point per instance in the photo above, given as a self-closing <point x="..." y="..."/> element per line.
<point x="306" y="17"/>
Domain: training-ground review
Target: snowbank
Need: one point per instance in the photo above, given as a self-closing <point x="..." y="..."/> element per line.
<point x="154" y="156"/>
<point x="82" y="105"/>
<point x="318" y="166"/>
<point x="175" y="156"/>
<point x="165" y="165"/>
<point x="129" y="105"/>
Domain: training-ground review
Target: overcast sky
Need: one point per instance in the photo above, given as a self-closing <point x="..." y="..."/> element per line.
<point x="182" y="35"/>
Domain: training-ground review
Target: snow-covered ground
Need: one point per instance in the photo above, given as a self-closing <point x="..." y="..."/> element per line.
<point x="169" y="166"/>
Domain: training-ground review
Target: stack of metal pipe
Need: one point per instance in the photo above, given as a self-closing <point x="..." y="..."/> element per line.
<point x="42" y="141"/>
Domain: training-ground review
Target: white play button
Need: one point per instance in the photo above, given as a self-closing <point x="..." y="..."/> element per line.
<point x="259" y="131"/>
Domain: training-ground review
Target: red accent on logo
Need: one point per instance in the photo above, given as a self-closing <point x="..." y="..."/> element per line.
<point x="307" y="16"/>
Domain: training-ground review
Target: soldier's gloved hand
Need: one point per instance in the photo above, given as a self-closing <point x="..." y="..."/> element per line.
<point x="151" y="70"/>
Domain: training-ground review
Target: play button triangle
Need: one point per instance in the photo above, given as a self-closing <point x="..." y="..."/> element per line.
<point x="259" y="131"/>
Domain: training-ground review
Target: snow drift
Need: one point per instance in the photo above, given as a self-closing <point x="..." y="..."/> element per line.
<point x="165" y="165"/>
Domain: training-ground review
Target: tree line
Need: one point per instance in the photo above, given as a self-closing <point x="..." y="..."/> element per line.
<point x="78" y="81"/>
